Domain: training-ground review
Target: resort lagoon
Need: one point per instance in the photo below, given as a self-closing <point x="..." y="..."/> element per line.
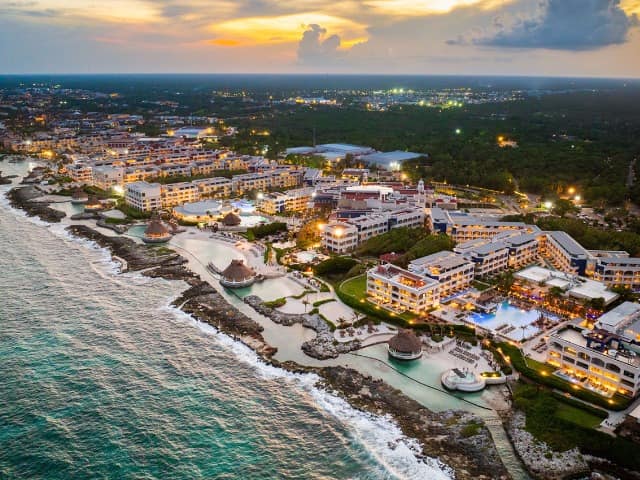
<point x="509" y="321"/>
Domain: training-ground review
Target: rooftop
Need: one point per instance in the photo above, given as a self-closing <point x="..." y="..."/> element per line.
<point x="568" y="244"/>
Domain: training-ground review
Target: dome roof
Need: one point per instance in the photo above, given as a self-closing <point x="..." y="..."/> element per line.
<point x="406" y="342"/>
<point x="156" y="228"/>
<point x="203" y="207"/>
<point x="237" y="271"/>
<point x="231" y="220"/>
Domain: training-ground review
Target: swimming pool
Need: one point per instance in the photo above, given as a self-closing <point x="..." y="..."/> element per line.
<point x="511" y="316"/>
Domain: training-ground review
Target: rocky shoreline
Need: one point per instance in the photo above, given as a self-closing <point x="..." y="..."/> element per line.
<point x="25" y="198"/>
<point x="457" y="439"/>
<point x="539" y="459"/>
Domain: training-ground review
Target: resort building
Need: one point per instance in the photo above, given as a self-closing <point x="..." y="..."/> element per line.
<point x="489" y="258"/>
<point x="565" y="253"/>
<point x="623" y="320"/>
<point x="290" y="201"/>
<point x="106" y="177"/>
<point x="339" y="237"/>
<point x="80" y="173"/>
<point x="406" y="217"/>
<point x="251" y="181"/>
<point x="463" y="227"/>
<point x="178" y="193"/>
<point x="452" y="272"/>
<point x="523" y="249"/>
<point x="598" y="360"/>
<point x="618" y="269"/>
<point x="216" y="187"/>
<point x="369" y="226"/>
<point x="399" y="290"/>
<point x="572" y="285"/>
<point x="143" y="196"/>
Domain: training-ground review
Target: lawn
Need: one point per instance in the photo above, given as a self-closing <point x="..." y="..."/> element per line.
<point x="355" y="287"/>
<point x="577" y="416"/>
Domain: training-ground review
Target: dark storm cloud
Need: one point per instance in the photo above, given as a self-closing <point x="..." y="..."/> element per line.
<point x="564" y="25"/>
<point x="316" y="47"/>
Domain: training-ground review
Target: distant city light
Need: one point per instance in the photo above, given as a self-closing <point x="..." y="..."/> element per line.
<point x="458" y="131"/>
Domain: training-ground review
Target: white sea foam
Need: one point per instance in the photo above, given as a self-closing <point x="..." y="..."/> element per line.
<point x="400" y="456"/>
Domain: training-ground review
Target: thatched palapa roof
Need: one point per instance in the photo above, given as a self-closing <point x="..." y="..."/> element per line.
<point x="156" y="228"/>
<point x="78" y="193"/>
<point x="231" y="220"/>
<point x="406" y="342"/>
<point x="237" y="271"/>
<point x="93" y="202"/>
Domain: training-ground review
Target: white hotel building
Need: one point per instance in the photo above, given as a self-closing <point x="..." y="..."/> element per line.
<point x="451" y="271"/>
<point x="340" y="237"/>
<point x="606" y="356"/>
<point x="463" y="227"/>
<point x="399" y="290"/>
<point x="488" y="258"/>
<point x="144" y="196"/>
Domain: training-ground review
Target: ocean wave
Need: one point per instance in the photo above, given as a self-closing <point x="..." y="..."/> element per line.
<point x="397" y="454"/>
<point x="380" y="435"/>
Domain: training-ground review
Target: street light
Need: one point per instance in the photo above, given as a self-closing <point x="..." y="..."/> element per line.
<point x="548" y="205"/>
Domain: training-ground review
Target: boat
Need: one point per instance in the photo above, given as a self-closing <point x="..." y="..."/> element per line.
<point x="237" y="275"/>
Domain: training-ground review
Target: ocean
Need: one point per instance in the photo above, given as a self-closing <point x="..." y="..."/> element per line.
<point x="101" y="378"/>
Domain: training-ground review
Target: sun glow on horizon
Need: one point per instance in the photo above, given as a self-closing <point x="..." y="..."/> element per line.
<point x="285" y="29"/>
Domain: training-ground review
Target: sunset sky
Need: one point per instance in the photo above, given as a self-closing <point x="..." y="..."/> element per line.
<point x="513" y="37"/>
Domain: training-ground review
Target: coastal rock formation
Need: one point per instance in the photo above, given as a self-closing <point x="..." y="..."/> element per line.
<point x="539" y="459"/>
<point x="458" y="439"/>
<point x="203" y="302"/>
<point x="323" y="346"/>
<point x="137" y="257"/>
<point x="7" y="179"/>
<point x="26" y="199"/>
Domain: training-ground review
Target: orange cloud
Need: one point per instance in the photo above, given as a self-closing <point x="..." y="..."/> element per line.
<point x="223" y="42"/>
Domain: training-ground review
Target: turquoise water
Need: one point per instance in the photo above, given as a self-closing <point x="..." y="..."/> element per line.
<point x="507" y="314"/>
<point x="101" y="379"/>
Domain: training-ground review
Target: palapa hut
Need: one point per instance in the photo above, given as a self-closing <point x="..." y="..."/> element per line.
<point x="79" y="196"/>
<point x="237" y="275"/>
<point x="231" y="220"/>
<point x="156" y="232"/>
<point x="405" y="346"/>
<point x="93" y="204"/>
